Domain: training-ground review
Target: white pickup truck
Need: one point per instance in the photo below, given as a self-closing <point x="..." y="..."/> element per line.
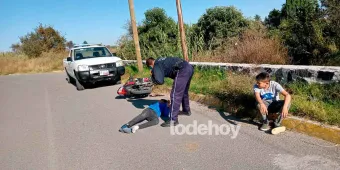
<point x="88" y="64"/>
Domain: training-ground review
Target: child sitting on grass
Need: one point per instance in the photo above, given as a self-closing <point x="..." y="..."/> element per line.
<point x="150" y="114"/>
<point x="267" y="95"/>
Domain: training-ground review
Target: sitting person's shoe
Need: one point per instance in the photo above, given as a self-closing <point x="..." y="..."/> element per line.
<point x="123" y="127"/>
<point x="168" y="123"/>
<point x="278" y="130"/>
<point x="265" y="127"/>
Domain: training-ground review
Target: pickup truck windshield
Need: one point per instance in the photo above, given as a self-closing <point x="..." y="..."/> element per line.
<point x="91" y="52"/>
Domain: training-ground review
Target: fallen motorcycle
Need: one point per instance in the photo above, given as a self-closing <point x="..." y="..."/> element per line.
<point x="136" y="87"/>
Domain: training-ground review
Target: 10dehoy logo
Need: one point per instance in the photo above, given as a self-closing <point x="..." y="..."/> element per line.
<point x="205" y="129"/>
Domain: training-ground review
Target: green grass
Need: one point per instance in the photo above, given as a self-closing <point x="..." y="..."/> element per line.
<point x="132" y="70"/>
<point x="316" y="101"/>
<point x="312" y="101"/>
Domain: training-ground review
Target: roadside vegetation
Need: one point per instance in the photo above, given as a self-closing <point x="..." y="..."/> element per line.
<point x="307" y="34"/>
<point x="298" y="34"/>
<point x="315" y="102"/>
<point x="20" y="63"/>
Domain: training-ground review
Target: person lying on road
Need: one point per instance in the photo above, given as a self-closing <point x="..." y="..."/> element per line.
<point x="150" y="114"/>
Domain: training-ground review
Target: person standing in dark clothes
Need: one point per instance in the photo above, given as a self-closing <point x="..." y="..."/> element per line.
<point x="181" y="72"/>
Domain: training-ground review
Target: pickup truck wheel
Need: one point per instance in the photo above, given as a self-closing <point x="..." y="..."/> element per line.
<point x="68" y="77"/>
<point x="79" y="86"/>
<point x="116" y="80"/>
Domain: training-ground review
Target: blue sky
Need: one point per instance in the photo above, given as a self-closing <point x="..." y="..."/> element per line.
<point x="102" y="21"/>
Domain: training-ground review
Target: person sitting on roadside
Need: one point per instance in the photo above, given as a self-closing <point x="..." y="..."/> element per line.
<point x="267" y="94"/>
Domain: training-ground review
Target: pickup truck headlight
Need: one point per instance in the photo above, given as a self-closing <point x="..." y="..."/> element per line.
<point x="119" y="63"/>
<point x="83" y="68"/>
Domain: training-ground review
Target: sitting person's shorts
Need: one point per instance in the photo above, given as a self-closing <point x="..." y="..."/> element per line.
<point x="273" y="106"/>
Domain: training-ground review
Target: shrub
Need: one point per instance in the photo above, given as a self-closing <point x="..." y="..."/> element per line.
<point x="43" y="39"/>
<point x="219" y="23"/>
<point x="255" y="47"/>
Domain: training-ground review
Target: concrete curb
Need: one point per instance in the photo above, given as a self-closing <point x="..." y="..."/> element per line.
<point x="311" y="128"/>
<point x="292" y="123"/>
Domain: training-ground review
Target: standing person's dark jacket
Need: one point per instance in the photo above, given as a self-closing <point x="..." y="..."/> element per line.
<point x="166" y="67"/>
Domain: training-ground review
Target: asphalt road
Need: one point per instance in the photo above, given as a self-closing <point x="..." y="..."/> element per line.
<point x="46" y="123"/>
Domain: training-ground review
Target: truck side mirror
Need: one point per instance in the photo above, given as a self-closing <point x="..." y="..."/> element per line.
<point x="69" y="59"/>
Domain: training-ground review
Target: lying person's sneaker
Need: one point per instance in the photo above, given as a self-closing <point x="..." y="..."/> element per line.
<point x="123" y="127"/>
<point x="168" y="123"/>
<point x="278" y="130"/>
<point x="127" y="130"/>
<point x="265" y="127"/>
<point x="134" y="128"/>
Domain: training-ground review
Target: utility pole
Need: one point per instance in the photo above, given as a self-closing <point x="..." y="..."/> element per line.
<point x="181" y="30"/>
<point x="135" y="35"/>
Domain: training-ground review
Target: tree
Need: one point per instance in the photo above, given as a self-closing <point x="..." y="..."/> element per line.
<point x="126" y="48"/>
<point x="332" y="14"/>
<point x="303" y="33"/>
<point x="158" y="34"/>
<point x="127" y="26"/>
<point x="85" y="42"/>
<point x="43" y="39"/>
<point x="70" y="44"/>
<point x="220" y="23"/>
<point x="15" y="47"/>
<point x="257" y="18"/>
<point x="274" y="19"/>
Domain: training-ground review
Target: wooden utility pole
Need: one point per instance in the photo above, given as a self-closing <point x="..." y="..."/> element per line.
<point x="182" y="30"/>
<point x="135" y="35"/>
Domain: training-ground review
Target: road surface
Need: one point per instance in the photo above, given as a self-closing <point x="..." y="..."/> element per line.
<point x="46" y="123"/>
